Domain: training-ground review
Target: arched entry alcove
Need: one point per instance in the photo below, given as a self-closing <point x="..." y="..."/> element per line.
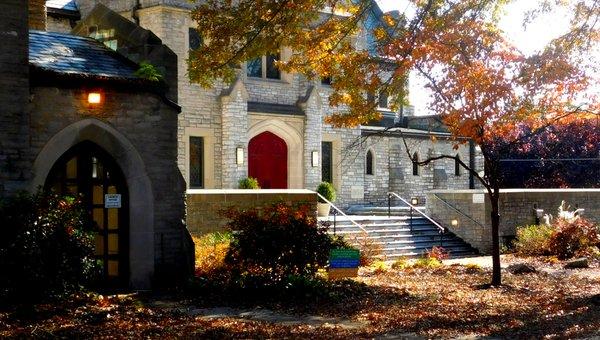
<point x="267" y="160"/>
<point x="90" y="172"/>
<point x="293" y="140"/>
<point x="141" y="197"/>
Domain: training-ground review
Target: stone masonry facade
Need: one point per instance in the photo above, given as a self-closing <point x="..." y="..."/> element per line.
<point x="220" y="114"/>
<point x="516" y="209"/>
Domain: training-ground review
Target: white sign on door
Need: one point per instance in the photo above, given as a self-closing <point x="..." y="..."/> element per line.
<point x="112" y="200"/>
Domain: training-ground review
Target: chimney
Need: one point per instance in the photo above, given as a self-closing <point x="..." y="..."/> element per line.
<point x="14" y="93"/>
<point x="37" y="15"/>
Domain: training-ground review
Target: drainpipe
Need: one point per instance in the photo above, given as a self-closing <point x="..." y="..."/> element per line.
<point x="134" y="14"/>
<point x="471" y="164"/>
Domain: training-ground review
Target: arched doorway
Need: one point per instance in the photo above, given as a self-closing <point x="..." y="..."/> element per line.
<point x="267" y="160"/>
<point x="88" y="170"/>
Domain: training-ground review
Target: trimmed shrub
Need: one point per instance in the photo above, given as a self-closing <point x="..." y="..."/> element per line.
<point x="573" y="236"/>
<point x="533" y="240"/>
<point x="277" y="241"/>
<point x="248" y="183"/>
<point x="46" y="247"/>
<point x="326" y="190"/>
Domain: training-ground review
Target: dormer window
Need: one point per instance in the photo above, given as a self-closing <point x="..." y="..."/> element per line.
<point x="264" y="67"/>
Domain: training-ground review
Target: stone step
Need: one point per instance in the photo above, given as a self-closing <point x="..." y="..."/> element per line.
<point x="396" y="210"/>
<point x="397" y="236"/>
<point x="388" y="229"/>
<point x="416" y="255"/>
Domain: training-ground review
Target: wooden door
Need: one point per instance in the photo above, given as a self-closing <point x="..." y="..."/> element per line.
<point x="89" y="171"/>
<point x="267" y="161"/>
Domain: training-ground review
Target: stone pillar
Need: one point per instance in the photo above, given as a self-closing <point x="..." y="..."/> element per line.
<point x="37" y="15"/>
<point x="311" y="104"/>
<point x="234" y="122"/>
<point x="14" y="95"/>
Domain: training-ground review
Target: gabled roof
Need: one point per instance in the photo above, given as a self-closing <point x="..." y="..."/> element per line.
<point x="67" y="5"/>
<point x="75" y="56"/>
<point x="63" y="8"/>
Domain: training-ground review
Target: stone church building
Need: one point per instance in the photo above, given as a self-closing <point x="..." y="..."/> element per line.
<point x="76" y="116"/>
<point x="269" y="124"/>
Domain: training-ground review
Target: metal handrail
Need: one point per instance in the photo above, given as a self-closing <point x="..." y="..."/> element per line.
<point x="343" y="214"/>
<point x="458" y="211"/>
<point x="442" y="229"/>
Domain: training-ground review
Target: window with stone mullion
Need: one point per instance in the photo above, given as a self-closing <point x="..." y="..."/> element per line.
<point x="254" y="68"/>
<point x="272" y="71"/>
<point x="196" y="162"/>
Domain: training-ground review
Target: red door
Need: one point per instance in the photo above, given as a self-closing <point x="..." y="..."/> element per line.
<point x="267" y="161"/>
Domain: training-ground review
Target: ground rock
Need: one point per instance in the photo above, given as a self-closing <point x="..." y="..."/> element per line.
<point x="577" y="263"/>
<point x="520" y="268"/>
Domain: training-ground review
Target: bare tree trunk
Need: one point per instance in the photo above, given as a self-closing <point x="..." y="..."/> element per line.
<point x="496" y="269"/>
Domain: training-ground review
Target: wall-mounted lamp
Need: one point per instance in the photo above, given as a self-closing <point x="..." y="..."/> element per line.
<point x="94" y="98"/>
<point x="315" y="159"/>
<point x="239" y="155"/>
<point x="454" y="223"/>
<point x="414" y="200"/>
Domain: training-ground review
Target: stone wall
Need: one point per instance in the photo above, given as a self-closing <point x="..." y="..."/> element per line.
<point x="14" y="94"/>
<point x="147" y="126"/>
<point x="37" y="14"/>
<point x="203" y="206"/>
<point x="516" y="209"/>
<point x="221" y="118"/>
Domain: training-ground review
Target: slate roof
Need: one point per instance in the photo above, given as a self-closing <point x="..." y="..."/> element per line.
<point x="275" y="108"/>
<point x="66" y="5"/>
<point x="74" y="56"/>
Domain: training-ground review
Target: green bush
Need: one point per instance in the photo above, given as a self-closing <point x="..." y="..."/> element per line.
<point x="326" y="190"/>
<point x="248" y="183"/>
<point x="277" y="241"/>
<point x="46" y="247"/>
<point x="533" y="240"/>
<point x="573" y="236"/>
<point x="148" y="71"/>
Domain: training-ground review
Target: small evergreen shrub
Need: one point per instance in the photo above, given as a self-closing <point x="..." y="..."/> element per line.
<point x="533" y="240"/>
<point x="427" y="263"/>
<point x="379" y="267"/>
<point x="400" y="263"/>
<point x="248" y="183"/>
<point x="326" y="190"/>
<point x="46" y="247"/>
<point x="573" y="236"/>
<point x="277" y="241"/>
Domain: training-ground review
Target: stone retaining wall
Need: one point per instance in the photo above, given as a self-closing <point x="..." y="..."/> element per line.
<point x="203" y="206"/>
<point x="516" y="209"/>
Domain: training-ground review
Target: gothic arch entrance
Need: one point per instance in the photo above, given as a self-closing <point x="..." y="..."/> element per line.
<point x="89" y="171"/>
<point x="267" y="160"/>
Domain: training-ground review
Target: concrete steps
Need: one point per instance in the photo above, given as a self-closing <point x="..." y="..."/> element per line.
<point x="399" y="235"/>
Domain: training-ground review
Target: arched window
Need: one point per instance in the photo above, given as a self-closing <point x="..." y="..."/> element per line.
<point x="415" y="165"/>
<point x="369" y="169"/>
<point x="457" y="165"/>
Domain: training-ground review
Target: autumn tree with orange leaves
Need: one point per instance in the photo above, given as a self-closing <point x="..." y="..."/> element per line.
<point x="482" y="86"/>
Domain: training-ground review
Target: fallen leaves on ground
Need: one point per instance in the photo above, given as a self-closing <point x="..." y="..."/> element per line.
<point x="442" y="302"/>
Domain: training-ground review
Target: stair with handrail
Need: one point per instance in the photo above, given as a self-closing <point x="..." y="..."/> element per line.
<point x="396" y="231"/>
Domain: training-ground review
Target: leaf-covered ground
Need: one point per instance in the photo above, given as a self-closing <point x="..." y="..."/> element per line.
<point x="444" y="302"/>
